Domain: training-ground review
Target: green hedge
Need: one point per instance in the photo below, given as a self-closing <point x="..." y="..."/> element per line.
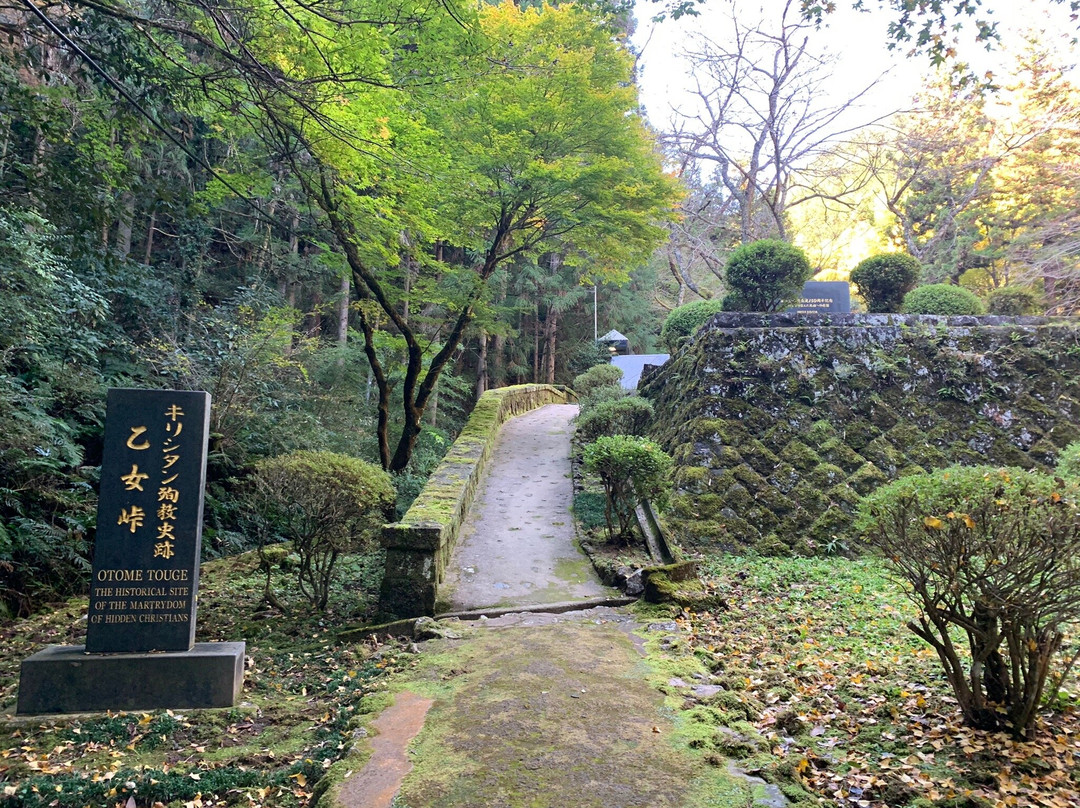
<point x="682" y="322"/>
<point x="943" y="299"/>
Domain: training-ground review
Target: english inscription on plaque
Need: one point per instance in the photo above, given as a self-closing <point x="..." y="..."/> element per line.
<point x="149" y="522"/>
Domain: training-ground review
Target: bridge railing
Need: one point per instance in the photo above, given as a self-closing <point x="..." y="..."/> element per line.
<point x="419" y="546"/>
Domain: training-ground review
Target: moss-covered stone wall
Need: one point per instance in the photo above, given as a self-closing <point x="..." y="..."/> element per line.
<point x="419" y="546"/>
<point x="778" y="423"/>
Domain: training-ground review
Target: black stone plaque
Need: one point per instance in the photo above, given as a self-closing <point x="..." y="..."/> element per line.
<point x="149" y="522"/>
<point x="824" y="297"/>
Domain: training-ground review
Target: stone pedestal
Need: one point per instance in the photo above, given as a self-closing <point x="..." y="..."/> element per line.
<point x="65" y="679"/>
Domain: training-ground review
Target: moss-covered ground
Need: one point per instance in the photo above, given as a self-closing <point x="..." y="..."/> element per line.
<point x="546" y="712"/>
<point x="808" y="679"/>
<point x="304" y="698"/>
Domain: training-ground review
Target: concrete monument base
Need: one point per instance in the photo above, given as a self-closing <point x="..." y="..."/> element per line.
<point x="65" y="679"/>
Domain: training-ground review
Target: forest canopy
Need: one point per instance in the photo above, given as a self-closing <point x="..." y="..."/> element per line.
<point x="312" y="210"/>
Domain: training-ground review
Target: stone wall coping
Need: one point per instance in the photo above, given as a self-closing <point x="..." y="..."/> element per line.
<point x="735" y="319"/>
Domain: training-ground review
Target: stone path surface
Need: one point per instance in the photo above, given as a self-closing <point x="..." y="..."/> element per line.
<point x="536" y="709"/>
<point x="551" y="711"/>
<point x="377" y="784"/>
<point x="517" y="546"/>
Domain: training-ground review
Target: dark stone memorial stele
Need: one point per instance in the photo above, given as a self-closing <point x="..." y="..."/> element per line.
<point x="824" y="297"/>
<point x="140" y="650"/>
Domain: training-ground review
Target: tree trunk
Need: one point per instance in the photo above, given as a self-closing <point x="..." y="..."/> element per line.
<point x="150" y="228"/>
<point x="288" y="287"/>
<point x="550" y="328"/>
<point x="498" y="348"/>
<point x="536" y="343"/>
<point x="343" y="311"/>
<point x="343" y="316"/>
<point x="315" y="319"/>
<point x="124" y="223"/>
<point x="481" y="365"/>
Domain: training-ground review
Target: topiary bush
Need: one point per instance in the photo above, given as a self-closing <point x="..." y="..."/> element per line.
<point x="993" y="554"/>
<point x="324" y="503"/>
<point x="599" y="396"/>
<point x="1012" y="301"/>
<point x="629" y="415"/>
<point x="942" y="298"/>
<point x="884" y="279"/>
<point x="631" y="469"/>
<point x="1068" y="464"/>
<point x="605" y="375"/>
<point x="683" y="321"/>
<point x="766" y="275"/>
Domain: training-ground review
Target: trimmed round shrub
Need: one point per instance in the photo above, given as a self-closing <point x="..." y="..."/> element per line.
<point x="884" y="279"/>
<point x="631" y="469"/>
<point x="994" y="554"/>
<point x="629" y="415"/>
<point x="766" y="275"/>
<point x="324" y="503"/>
<point x="942" y="298"/>
<point x="1012" y="301"/>
<point x="1068" y="464"/>
<point x="600" y="396"/>
<point x="605" y="375"/>
<point x="682" y="322"/>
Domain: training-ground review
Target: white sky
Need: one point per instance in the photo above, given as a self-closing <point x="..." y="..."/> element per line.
<point x="859" y="39"/>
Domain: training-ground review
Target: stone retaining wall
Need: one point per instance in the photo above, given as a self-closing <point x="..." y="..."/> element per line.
<point x="779" y="423"/>
<point x="419" y="546"/>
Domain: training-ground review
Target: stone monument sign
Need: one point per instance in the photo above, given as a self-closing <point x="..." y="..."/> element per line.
<point x="824" y="297"/>
<point x="149" y="522"/>
<point x="140" y="650"/>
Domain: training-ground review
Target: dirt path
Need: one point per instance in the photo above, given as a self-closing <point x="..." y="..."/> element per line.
<point x="517" y="546"/>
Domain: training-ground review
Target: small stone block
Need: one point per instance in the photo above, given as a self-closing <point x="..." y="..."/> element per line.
<point x="65" y="679"/>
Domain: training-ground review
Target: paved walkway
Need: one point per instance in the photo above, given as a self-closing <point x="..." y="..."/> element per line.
<point x="517" y="546"/>
<point x="534" y="709"/>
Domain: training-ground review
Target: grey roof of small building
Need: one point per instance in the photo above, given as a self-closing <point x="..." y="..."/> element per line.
<point x="612" y="336"/>
<point x="634" y="364"/>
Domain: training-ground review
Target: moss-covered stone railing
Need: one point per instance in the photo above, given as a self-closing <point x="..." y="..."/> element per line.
<point x="418" y="547"/>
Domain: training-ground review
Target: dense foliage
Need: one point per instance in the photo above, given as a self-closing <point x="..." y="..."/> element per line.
<point x="344" y="245"/>
<point x="596" y="377"/>
<point x="942" y="299"/>
<point x="325" y="504"/>
<point x="992" y="553"/>
<point x="884" y="279"/>
<point x="765" y="275"/>
<point x="1012" y="301"/>
<point x="1068" y="464"/>
<point x="629" y="415"/>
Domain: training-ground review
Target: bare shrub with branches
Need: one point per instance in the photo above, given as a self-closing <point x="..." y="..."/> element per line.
<point x="995" y="554"/>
